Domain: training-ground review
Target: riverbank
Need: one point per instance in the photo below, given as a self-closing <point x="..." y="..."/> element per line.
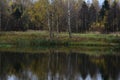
<point x="41" y="38"/>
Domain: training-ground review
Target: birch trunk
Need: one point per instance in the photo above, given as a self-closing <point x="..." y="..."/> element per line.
<point x="57" y="26"/>
<point x="69" y="23"/>
<point x="52" y="26"/>
<point x="50" y="29"/>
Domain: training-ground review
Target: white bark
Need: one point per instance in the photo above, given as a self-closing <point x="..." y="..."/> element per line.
<point x="69" y="20"/>
<point x="57" y="26"/>
<point x="50" y="30"/>
<point x="52" y="26"/>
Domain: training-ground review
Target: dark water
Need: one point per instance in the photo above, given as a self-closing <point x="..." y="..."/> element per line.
<point x="59" y="66"/>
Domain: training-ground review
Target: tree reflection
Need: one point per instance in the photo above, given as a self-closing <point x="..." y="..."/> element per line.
<point x="59" y="66"/>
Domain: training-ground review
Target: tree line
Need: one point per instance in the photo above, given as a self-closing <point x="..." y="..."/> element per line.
<point x="60" y="16"/>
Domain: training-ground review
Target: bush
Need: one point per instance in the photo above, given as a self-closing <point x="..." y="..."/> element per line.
<point x="98" y="26"/>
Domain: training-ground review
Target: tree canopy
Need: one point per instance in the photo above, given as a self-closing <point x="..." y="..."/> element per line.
<point x="54" y="16"/>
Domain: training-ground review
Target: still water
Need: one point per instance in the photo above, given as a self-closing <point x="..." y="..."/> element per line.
<point x="59" y="66"/>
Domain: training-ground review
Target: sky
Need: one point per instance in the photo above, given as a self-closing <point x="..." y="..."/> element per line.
<point x="100" y="1"/>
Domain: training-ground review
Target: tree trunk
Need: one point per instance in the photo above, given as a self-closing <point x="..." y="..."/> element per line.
<point x="76" y="24"/>
<point x="0" y="18"/>
<point x="52" y="25"/>
<point x="57" y="26"/>
<point x="69" y="20"/>
<point x="50" y="29"/>
<point x="1" y="3"/>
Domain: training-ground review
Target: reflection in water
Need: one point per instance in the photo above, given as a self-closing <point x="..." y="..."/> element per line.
<point x="78" y="77"/>
<point x="58" y="66"/>
<point x="49" y="76"/>
<point x="119" y="76"/>
<point x="88" y="77"/>
<point x="30" y="75"/>
<point x="99" y="76"/>
<point x="26" y="76"/>
<point x="12" y="77"/>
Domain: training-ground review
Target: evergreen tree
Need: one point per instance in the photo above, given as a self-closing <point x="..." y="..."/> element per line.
<point x="92" y="14"/>
<point x="114" y="17"/>
<point x="104" y="9"/>
<point x="84" y="17"/>
<point x="104" y="13"/>
<point x="19" y="17"/>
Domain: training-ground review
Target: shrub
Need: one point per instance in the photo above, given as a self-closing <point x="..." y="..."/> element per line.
<point x="98" y="26"/>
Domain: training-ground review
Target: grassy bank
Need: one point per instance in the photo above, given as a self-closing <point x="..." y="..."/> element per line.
<point x="41" y="38"/>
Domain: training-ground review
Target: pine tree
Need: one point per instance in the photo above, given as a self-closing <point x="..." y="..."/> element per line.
<point x="104" y="14"/>
<point x="84" y="17"/>
<point x="114" y="17"/>
<point x="104" y="9"/>
<point x="92" y="14"/>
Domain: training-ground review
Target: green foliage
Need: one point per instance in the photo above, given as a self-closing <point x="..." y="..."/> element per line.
<point x="38" y="14"/>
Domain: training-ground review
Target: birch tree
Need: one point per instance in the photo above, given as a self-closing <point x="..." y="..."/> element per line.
<point x="96" y="4"/>
<point x="38" y="15"/>
<point x="69" y="19"/>
<point x="58" y="12"/>
<point x="48" y="19"/>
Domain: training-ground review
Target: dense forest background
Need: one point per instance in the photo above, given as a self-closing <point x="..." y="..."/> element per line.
<point x="60" y="15"/>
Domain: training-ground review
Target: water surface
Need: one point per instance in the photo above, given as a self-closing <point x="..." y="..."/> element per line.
<point x="59" y="66"/>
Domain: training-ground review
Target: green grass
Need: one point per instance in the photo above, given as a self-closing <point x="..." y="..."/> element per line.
<point x="38" y="41"/>
<point x="41" y="38"/>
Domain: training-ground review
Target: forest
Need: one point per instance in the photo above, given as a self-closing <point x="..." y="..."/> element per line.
<point x="77" y="16"/>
